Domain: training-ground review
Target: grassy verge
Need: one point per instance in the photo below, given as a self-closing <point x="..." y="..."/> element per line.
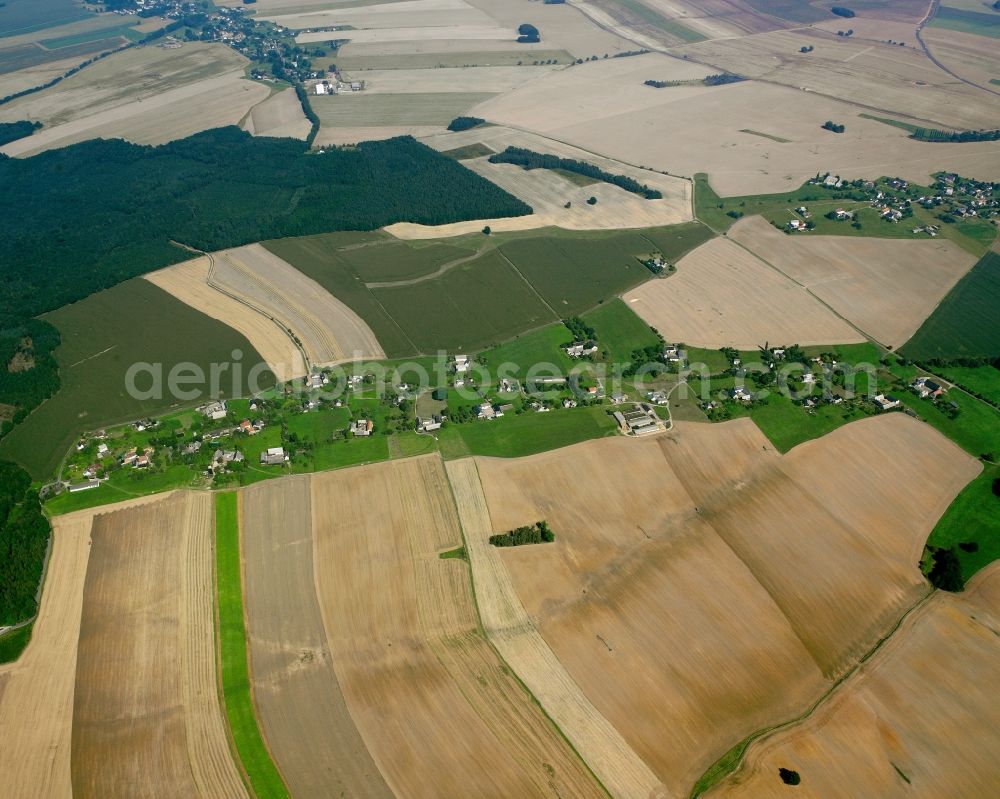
<point x="257" y="764"/>
<point x="12" y="643"/>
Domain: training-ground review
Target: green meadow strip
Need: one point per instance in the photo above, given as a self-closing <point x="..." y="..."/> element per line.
<point x="261" y="772"/>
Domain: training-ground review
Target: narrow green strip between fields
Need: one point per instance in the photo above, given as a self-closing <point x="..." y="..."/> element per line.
<point x="265" y="781"/>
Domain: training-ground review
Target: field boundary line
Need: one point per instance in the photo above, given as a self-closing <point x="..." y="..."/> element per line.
<point x="740" y="749"/>
<point x="528" y="283"/>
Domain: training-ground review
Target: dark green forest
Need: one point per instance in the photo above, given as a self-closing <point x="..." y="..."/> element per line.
<point x="12" y="131"/>
<point x="528" y="159"/>
<point x="24" y="534"/>
<point x="83" y="218"/>
<point x="32" y="374"/>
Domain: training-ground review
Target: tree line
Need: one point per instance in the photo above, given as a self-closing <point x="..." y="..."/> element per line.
<point x="12" y="131"/>
<point x="961" y="136"/>
<point x="528" y="159"/>
<point x="24" y="535"/>
<point x="537" y="533"/>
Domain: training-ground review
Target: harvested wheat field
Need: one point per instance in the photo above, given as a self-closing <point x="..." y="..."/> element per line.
<point x="146" y="94"/>
<point x="886" y="287"/>
<point x="39" y="686"/>
<point x="330" y="332"/>
<point x="921" y="718"/>
<point x="973" y="57"/>
<point x="279" y="115"/>
<point x="303" y="714"/>
<point x="628" y="593"/>
<point x="145" y="709"/>
<point x="490" y="80"/>
<point x="438" y="710"/>
<point x="722" y="295"/>
<point x="515" y="636"/>
<point x="387" y="15"/>
<point x="882" y="77"/>
<point x="188" y="282"/>
<point x="716" y="19"/>
<point x="604" y="107"/>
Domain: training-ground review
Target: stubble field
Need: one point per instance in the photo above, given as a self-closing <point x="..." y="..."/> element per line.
<point x="886" y="287"/>
<point x="279" y="115"/>
<point x="717" y="490"/>
<point x="918" y="717"/>
<point x="722" y="295"/>
<point x="146" y="94"/>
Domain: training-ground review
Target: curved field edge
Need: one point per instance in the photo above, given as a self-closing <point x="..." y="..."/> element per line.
<point x="972" y="518"/>
<point x="13" y="643"/>
<point x="259" y="768"/>
<point x="732" y="760"/>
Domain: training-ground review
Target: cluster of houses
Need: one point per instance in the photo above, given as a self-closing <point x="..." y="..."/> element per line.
<point x="640" y="421"/>
<point x="273" y="456"/>
<point x="581" y="349"/>
<point x="333" y="84"/>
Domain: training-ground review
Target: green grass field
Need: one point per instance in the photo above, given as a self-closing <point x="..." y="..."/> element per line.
<point x="966" y="323"/>
<point x="527" y="434"/>
<point x="102" y="337"/>
<point x="654" y="19"/>
<point x="260" y="770"/>
<point x="676" y="240"/>
<point x="982" y="380"/>
<point x="539" y="346"/>
<point x="973" y="516"/>
<point x="573" y="273"/>
<point x="982" y="23"/>
<point x="619" y="331"/>
<point x="976" y="428"/>
<point x="473" y="306"/>
<point x="12" y="643"/>
<point x="88" y="37"/>
<point x="474" y="150"/>
<point x="404" y="260"/>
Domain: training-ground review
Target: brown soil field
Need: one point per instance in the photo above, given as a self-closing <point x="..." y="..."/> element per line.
<point x="604" y="107"/>
<point x="147" y="94"/>
<point x="303" y="714"/>
<point x="280" y="115"/>
<point x="884" y="77"/>
<point x="36" y="705"/>
<point x="146" y="714"/>
<point x="516" y="638"/>
<point x="973" y="57"/>
<point x="440" y="712"/>
<point x="919" y="719"/>
<point x="722" y="295"/>
<point x="188" y="282"/>
<point x="329" y="331"/>
<point x="886" y="287"/>
<point x="627" y="594"/>
<point x="548" y="192"/>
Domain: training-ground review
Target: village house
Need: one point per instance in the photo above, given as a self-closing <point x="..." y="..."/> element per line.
<point x="618" y="398"/>
<point x="842" y="215"/>
<point x="569" y="403"/>
<point x="885" y="402"/>
<point x="86" y="485"/>
<point x="742" y="394"/>
<point x="658" y="397"/>
<point x="102" y="450"/>
<point x="223" y="457"/>
<point x="925" y="387"/>
<point x="429" y="423"/>
<point x="796" y="224"/>
<point x="362" y="427"/>
<point x="130" y="457"/>
<point x="250" y="428"/>
<point x="274" y="456"/>
<point x="461" y="364"/>
<point x="214" y="410"/>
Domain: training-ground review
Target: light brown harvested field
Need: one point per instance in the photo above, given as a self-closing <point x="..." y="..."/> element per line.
<point x="884" y="77"/>
<point x="13" y="82"/>
<point x="188" y="282"/>
<point x="404" y="14"/>
<point x="548" y="192"/>
<point x="149" y="100"/>
<point x="603" y="107"/>
<point x="279" y="115"/>
<point x="146" y="715"/>
<point x="973" y="57"/>
<point x="923" y="707"/>
<point x="438" y="710"/>
<point x="715" y="19"/>
<point x="416" y="112"/>
<point x="878" y="30"/>
<point x="303" y="714"/>
<point x="39" y="686"/>
<point x="447" y="48"/>
<point x="333" y="136"/>
<point x="515" y="636"/>
<point x="627" y="595"/>
<point x="140" y="73"/>
<point x="464" y="33"/>
<point x="448" y="80"/>
<point x="724" y="296"/>
<point x="886" y="287"/>
<point x="330" y="332"/>
<point x="612" y="17"/>
<point x="360" y="58"/>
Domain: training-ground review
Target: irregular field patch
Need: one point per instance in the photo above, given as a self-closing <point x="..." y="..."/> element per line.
<point x="722" y="295"/>
<point x="885" y="287"/>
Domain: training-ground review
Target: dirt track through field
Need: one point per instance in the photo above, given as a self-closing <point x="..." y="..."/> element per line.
<point x="438" y="710"/>
<point x="303" y="714"/>
<point x="514" y="635"/>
